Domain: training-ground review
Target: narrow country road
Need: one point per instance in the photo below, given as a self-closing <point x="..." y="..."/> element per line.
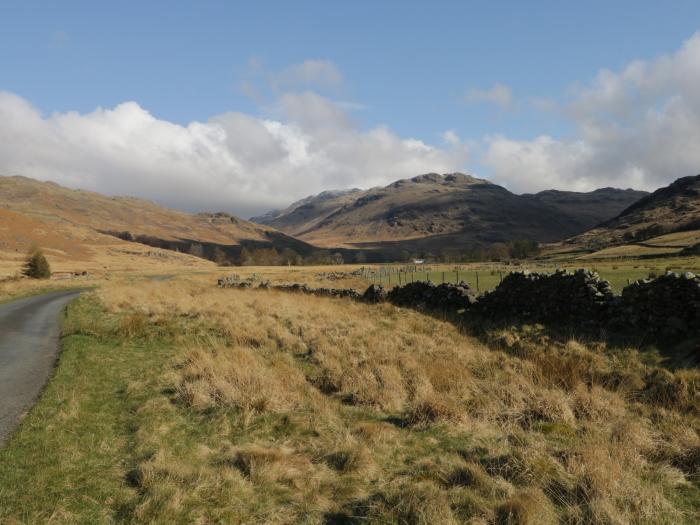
<point x="29" y="332"/>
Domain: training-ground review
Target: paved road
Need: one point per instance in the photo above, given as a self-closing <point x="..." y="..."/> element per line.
<point x="29" y="332"/>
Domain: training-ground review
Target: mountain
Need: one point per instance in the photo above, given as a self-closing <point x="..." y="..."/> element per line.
<point x="296" y="215"/>
<point x="671" y="209"/>
<point x="77" y="225"/>
<point x="432" y="212"/>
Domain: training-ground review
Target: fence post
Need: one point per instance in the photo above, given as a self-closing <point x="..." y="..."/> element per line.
<point x="477" y="281"/>
<point x="457" y="275"/>
<point x="443" y="277"/>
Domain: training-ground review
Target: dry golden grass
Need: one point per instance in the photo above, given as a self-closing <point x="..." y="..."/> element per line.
<point x="285" y="408"/>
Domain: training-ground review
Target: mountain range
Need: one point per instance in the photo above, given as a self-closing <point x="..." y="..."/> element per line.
<point x="427" y="214"/>
<point x="431" y="212"/>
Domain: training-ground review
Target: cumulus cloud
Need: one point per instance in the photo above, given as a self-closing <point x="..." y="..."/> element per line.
<point x="499" y="94"/>
<point x="234" y="162"/>
<point x="638" y="127"/>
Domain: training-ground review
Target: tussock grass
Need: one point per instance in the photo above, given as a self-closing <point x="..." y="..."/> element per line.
<point x="266" y="407"/>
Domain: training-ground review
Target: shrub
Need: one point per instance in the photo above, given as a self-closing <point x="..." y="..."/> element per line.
<point x="36" y="265"/>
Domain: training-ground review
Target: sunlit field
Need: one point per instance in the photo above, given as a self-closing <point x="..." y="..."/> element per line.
<point x="178" y="402"/>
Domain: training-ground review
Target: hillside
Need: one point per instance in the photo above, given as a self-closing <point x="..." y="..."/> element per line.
<point x="670" y="215"/>
<point x="82" y="226"/>
<point x="435" y="211"/>
<point x="304" y="213"/>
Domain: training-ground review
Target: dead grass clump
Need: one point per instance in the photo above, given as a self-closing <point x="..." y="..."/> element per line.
<point x="430" y="410"/>
<point x="238" y="378"/>
<point x="597" y="404"/>
<point x="611" y="487"/>
<point x="552" y="406"/>
<point x="261" y="465"/>
<point x="133" y="324"/>
<point x="474" y="476"/>
<point x="527" y="507"/>
<point x="350" y="459"/>
<point x="680" y="390"/>
<point x="679" y="445"/>
<point x="569" y="365"/>
<point x="374" y="433"/>
<point x="422" y="503"/>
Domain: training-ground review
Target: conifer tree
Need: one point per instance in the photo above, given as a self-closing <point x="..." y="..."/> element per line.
<point x="36" y="265"/>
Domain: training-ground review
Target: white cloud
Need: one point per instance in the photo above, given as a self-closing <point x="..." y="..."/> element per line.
<point x="639" y="127"/>
<point x="499" y="94"/>
<point x="309" y="74"/>
<point x="451" y="137"/>
<point x="234" y="162"/>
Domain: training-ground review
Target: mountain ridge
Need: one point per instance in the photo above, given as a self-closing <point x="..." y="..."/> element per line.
<point x="669" y="209"/>
<point x="466" y="209"/>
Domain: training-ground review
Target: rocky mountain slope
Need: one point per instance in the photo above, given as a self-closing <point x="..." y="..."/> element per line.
<point x="671" y="209"/>
<point x="435" y="211"/>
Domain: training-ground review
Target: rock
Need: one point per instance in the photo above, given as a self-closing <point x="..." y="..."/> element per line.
<point x="375" y="293"/>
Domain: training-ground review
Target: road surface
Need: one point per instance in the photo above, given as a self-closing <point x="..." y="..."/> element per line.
<point x="29" y="332"/>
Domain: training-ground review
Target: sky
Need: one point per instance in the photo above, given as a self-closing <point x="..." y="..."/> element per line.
<point x="247" y="106"/>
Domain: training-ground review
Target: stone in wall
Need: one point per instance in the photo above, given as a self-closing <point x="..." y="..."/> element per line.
<point x="581" y="298"/>
<point x="663" y="309"/>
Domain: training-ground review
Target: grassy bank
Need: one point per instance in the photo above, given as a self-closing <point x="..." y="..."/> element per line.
<point x="176" y="402"/>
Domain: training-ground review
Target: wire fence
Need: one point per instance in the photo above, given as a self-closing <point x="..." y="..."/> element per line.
<point x="479" y="280"/>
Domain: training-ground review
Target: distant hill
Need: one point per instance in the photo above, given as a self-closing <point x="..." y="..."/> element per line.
<point x="674" y="208"/>
<point x="76" y="224"/>
<point x="433" y="212"/>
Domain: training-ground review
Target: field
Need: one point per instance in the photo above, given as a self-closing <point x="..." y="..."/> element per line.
<point x="178" y="402"/>
<point x="481" y="277"/>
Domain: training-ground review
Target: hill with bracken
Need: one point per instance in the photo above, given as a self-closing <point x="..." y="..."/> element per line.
<point x="77" y="227"/>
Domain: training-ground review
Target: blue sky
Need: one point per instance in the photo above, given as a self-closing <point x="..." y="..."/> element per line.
<point x="415" y="69"/>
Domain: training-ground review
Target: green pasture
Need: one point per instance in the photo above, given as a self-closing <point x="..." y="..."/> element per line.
<point x="486" y="276"/>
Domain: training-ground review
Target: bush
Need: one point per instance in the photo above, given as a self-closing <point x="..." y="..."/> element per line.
<point x="36" y="266"/>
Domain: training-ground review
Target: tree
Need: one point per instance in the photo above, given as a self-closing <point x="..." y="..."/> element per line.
<point x="290" y="257"/>
<point x="197" y="250"/>
<point x="523" y="248"/>
<point x="498" y="252"/>
<point x="246" y="257"/>
<point x="219" y="257"/>
<point x="36" y="265"/>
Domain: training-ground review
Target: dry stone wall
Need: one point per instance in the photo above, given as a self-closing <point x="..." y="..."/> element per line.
<point x="663" y="310"/>
<point x="562" y="297"/>
<point x="428" y="296"/>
